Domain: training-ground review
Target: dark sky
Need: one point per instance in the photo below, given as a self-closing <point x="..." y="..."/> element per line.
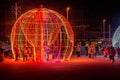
<point x="89" y="12"/>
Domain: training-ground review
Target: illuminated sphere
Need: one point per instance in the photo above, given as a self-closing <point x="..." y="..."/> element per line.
<point x="116" y="38"/>
<point x="43" y="32"/>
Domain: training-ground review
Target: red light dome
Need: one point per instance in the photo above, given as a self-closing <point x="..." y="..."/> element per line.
<point x="43" y="32"/>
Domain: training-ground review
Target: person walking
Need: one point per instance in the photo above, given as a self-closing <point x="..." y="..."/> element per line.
<point x="78" y="50"/>
<point x="25" y="56"/>
<point x="1" y="54"/>
<point x="92" y="51"/>
<point x="89" y="51"/>
<point x="105" y="51"/>
<point x="112" y="54"/>
<point x="118" y="51"/>
<point x="16" y="51"/>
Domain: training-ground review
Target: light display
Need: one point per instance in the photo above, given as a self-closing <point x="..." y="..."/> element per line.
<point x="116" y="38"/>
<point x="43" y="32"/>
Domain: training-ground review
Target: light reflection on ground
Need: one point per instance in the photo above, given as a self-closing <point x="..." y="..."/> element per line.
<point x="82" y="59"/>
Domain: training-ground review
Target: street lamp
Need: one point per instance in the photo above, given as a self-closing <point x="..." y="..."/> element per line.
<point x="104" y="20"/>
<point x="68" y="8"/>
<point x="109" y="31"/>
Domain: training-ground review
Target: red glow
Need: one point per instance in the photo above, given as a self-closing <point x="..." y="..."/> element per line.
<point x="40" y="29"/>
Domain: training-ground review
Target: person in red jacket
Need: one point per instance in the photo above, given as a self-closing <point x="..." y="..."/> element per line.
<point x="16" y="51"/>
<point x="112" y="53"/>
<point x="105" y="51"/>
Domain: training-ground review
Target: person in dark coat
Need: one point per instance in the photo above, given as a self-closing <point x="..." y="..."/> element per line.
<point x="118" y="51"/>
<point x="1" y="54"/>
<point x="78" y="50"/>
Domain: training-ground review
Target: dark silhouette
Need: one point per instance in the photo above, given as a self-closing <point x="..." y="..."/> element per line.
<point x="112" y="53"/>
<point x="16" y="52"/>
<point x="118" y="51"/>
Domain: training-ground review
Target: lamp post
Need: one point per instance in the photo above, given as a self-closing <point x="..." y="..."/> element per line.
<point x="104" y="20"/>
<point x="68" y="8"/>
<point x="109" y="31"/>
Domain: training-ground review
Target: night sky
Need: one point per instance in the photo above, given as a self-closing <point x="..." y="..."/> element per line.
<point x="89" y="12"/>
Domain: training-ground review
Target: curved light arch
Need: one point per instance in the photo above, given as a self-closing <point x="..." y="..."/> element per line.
<point x="116" y="38"/>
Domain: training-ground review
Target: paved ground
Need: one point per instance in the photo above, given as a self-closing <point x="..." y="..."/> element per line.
<point x="77" y="69"/>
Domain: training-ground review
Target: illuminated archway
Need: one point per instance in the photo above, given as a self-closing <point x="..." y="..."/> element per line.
<point x="116" y="38"/>
<point x="43" y="31"/>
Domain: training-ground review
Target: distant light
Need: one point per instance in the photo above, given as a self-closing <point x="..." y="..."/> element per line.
<point x="99" y="42"/>
<point x="68" y="8"/>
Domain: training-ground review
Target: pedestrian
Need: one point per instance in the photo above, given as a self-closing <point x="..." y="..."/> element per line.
<point x="96" y="50"/>
<point x="92" y="51"/>
<point x="78" y="50"/>
<point x="105" y="51"/>
<point x="86" y="50"/>
<point x="1" y="54"/>
<point x="25" y="56"/>
<point x="89" y="50"/>
<point x="112" y="54"/>
<point x="118" y="51"/>
<point x="16" y="52"/>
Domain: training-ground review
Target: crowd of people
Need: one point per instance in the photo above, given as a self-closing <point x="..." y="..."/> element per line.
<point x="25" y="53"/>
<point x="91" y="50"/>
<point x="16" y="54"/>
